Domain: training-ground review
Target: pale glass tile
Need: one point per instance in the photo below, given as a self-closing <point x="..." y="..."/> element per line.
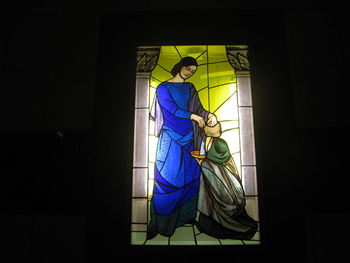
<point x="252" y="207"/>
<point x="232" y="139"/>
<point x="141" y="92"/>
<point x="227" y="125"/>
<point x="139" y="227"/>
<point x="158" y="240"/>
<point x="139" y="183"/>
<point x="228" y="110"/>
<point x="140" y="138"/>
<point x="150" y="188"/>
<point x="183" y="236"/>
<point x="139" y="210"/>
<point x="231" y="242"/>
<point x="151" y="170"/>
<point x="203" y="239"/>
<point x="247" y="136"/>
<point x="152" y="148"/>
<point x="152" y="126"/>
<point x="249" y="180"/>
<point x="138" y="238"/>
<point x="244" y="91"/>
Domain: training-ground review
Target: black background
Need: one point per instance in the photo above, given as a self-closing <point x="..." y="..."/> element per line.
<point x="69" y="68"/>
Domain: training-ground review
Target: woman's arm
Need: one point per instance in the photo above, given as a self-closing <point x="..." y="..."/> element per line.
<point x="199" y="110"/>
<point x="167" y="102"/>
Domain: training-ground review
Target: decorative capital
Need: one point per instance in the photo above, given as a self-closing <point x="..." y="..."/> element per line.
<point x="147" y="58"/>
<point x="238" y="57"/>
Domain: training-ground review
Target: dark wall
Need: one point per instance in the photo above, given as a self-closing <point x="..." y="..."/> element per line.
<point x="58" y="141"/>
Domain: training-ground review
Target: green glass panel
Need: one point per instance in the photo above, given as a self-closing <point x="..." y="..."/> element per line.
<point x="183" y="236"/>
<point x="199" y="78"/>
<point x="219" y="95"/>
<point x="195" y="52"/>
<point x="138" y="238"/>
<point x="158" y="240"/>
<point x="249" y="242"/>
<point x="203" y="239"/>
<point x="231" y="242"/>
<point x="216" y="54"/>
<point x="220" y="73"/>
<point x="203" y="97"/>
<point x="256" y="236"/>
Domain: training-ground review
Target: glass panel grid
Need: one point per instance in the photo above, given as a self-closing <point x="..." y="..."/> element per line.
<point x="208" y="81"/>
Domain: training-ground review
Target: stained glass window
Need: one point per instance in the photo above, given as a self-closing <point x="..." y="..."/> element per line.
<point x="194" y="168"/>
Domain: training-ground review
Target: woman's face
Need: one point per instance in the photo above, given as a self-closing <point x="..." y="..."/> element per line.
<point x="187" y="71"/>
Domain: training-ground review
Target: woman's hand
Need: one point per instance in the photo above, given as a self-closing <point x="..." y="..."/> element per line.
<point x="212" y="120"/>
<point x="198" y="119"/>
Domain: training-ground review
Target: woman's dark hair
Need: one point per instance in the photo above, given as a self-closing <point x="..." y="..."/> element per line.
<point x="184" y="62"/>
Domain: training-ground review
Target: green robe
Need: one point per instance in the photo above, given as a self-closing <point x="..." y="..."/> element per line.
<point x="221" y="197"/>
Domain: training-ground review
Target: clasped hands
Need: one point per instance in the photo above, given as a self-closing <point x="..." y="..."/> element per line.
<point x="212" y="120"/>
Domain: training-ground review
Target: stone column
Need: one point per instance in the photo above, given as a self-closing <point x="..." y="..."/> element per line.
<point x="147" y="58"/>
<point x="238" y="58"/>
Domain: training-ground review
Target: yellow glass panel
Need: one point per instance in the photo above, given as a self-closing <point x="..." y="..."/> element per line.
<point x="203" y="97"/>
<point x="161" y="74"/>
<point x="168" y="51"/>
<point x="228" y="110"/>
<point x="219" y="95"/>
<point x="168" y="57"/>
<point x="217" y="54"/>
<point x="199" y="78"/>
<point x="194" y="51"/>
<point x="154" y="82"/>
<point x="220" y="73"/>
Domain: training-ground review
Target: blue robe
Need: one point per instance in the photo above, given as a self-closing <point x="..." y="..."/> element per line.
<point x="177" y="174"/>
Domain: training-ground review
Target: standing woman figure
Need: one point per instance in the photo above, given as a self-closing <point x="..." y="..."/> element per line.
<point x="178" y="115"/>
